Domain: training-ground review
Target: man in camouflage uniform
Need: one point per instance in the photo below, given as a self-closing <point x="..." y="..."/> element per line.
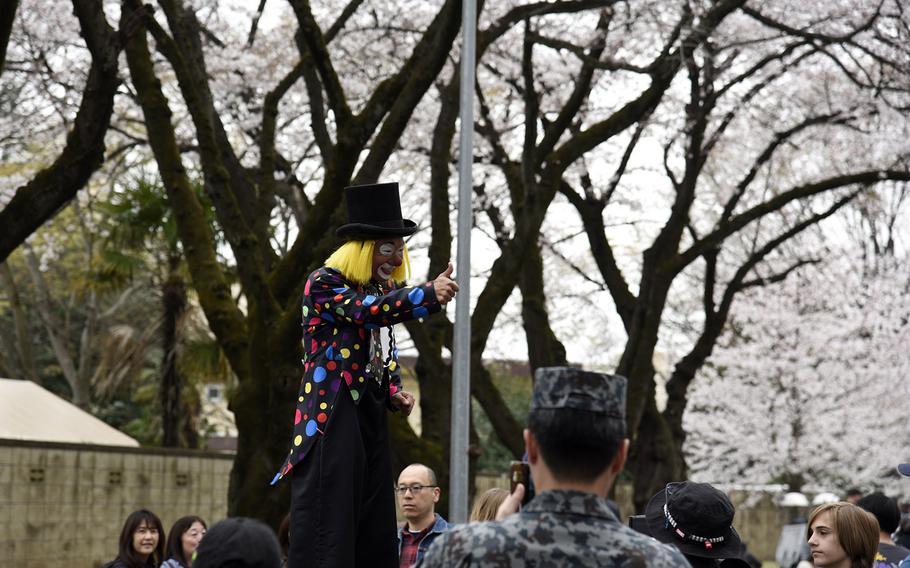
<point x="576" y="446"/>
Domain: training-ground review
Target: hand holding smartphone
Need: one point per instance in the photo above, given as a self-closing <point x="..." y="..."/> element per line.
<point x="520" y="472"/>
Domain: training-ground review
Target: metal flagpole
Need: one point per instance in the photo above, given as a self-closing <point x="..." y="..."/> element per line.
<point x="461" y="352"/>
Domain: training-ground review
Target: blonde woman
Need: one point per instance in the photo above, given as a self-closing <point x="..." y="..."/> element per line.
<point x="487" y="503"/>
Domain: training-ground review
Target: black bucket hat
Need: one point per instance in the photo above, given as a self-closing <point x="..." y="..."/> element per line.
<point x="374" y="211"/>
<point x="696" y="518"/>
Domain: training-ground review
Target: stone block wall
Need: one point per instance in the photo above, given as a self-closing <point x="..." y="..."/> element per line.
<point x="64" y="504"/>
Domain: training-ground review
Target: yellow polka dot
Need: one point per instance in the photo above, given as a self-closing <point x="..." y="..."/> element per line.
<point x="297" y="439"/>
<point x="348" y="301"/>
<point x="393" y="365"/>
<point x="300" y="398"/>
<point x="356" y="346"/>
<point x="386" y="308"/>
<point x="335" y="332"/>
<point x="360" y="379"/>
<point x="323" y="406"/>
<point x="307" y="388"/>
<point x="345" y="353"/>
<point x="328" y="305"/>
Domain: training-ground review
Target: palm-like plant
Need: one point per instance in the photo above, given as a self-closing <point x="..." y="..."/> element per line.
<point x="143" y="234"/>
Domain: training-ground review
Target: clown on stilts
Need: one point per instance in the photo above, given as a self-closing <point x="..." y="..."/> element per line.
<point x="342" y="501"/>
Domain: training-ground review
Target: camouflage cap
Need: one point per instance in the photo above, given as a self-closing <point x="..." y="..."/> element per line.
<point x="568" y="388"/>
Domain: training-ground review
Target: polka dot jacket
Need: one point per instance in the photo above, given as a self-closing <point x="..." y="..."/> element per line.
<point x="339" y="318"/>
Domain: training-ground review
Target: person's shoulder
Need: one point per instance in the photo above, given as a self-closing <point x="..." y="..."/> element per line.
<point x="441" y="524"/>
<point x="465" y="541"/>
<point x="116" y="563"/>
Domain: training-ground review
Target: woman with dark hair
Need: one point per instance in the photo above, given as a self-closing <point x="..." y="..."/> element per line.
<point x="842" y="535"/>
<point x="183" y="540"/>
<point x="141" y="545"/>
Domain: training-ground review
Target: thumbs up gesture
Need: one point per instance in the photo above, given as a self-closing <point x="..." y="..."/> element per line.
<point x="445" y="287"/>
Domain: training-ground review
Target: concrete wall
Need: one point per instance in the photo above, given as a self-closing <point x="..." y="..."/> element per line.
<point x="64" y="504"/>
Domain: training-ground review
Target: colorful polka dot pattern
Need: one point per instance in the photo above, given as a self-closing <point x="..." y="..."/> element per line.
<point x="337" y="317"/>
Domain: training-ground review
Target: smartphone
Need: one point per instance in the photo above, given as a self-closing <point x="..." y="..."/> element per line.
<point x="520" y="472"/>
<point x="639" y="523"/>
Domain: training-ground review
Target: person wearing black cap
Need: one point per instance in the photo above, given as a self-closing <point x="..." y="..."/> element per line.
<point x="342" y="500"/>
<point x="576" y="446"/>
<point x="696" y="518"/>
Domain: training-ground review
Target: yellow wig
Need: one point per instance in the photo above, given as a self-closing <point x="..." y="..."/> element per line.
<point x="354" y="259"/>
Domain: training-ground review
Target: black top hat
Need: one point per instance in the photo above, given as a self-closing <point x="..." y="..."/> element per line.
<point x="696" y="518"/>
<point x="374" y="211"/>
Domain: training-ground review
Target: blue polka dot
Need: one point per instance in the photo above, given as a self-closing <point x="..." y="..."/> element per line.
<point x="311" y="428"/>
<point x="416" y="296"/>
<point x="330" y="353"/>
<point x="369" y="300"/>
<point x="327" y="316"/>
<point x="319" y="374"/>
<point x="421" y="312"/>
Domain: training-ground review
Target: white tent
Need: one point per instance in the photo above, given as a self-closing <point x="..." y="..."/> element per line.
<point x="29" y="412"/>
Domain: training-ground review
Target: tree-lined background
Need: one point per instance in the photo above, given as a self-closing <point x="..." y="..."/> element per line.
<point x="708" y="197"/>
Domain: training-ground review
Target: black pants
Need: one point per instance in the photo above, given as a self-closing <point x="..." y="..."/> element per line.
<point x="342" y="502"/>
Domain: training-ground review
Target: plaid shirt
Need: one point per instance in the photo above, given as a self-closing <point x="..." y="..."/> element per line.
<point x="412" y="546"/>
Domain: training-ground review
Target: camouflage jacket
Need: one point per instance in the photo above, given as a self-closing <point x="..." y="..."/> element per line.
<point x="558" y="528"/>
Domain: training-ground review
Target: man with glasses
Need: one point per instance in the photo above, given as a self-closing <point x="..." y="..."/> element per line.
<point x="418" y="494"/>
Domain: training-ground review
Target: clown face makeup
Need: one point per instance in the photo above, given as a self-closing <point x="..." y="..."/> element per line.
<point x="388" y="255"/>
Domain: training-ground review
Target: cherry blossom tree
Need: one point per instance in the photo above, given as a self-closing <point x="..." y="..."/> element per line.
<point x="809" y="387"/>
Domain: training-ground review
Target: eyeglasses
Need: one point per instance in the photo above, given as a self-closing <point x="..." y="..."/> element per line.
<point x="414" y="489"/>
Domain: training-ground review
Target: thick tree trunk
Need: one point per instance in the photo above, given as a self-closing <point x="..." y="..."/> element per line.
<point x="544" y="348"/>
<point x="655" y="459"/>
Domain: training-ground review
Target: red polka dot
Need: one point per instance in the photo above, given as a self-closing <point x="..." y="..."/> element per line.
<point x="398" y="303"/>
<point x="324" y="343"/>
<point x="321" y="392"/>
<point x="355" y="366"/>
<point x="321" y="417"/>
<point x="347" y="377"/>
<point x="331" y="365"/>
<point x="374" y="310"/>
<point x="306" y="416"/>
<point x="359" y="303"/>
<point x="297" y="417"/>
<point x="338" y="298"/>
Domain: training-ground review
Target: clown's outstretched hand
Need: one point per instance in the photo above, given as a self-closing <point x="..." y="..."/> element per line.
<point x="445" y="287"/>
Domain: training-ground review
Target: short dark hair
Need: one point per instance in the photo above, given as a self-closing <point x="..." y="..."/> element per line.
<point x="175" y="537"/>
<point x="884" y="509"/>
<point x="126" y="552"/>
<point x="570" y="444"/>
